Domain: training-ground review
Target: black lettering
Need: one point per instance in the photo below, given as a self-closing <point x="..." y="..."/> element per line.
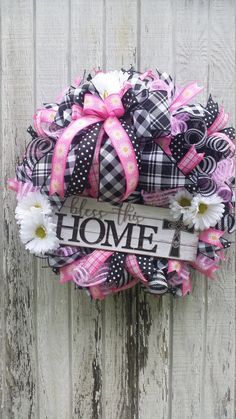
<point x="142" y="237"/>
<point x="73" y="205"/>
<point x="74" y="228"/>
<point x="83" y="228"/>
<point x="111" y="226"/>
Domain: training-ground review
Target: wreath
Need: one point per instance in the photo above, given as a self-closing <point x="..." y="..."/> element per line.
<point x="129" y="138"/>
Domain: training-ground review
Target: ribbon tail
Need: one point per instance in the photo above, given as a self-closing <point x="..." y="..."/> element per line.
<point x="61" y="151"/>
<point x="124" y="148"/>
<point x="186" y="94"/>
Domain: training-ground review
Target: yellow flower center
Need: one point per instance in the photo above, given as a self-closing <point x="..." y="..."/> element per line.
<point x="184" y="202"/>
<point x="105" y="94"/>
<point x="37" y="205"/>
<point x="202" y="208"/>
<point x="40" y="232"/>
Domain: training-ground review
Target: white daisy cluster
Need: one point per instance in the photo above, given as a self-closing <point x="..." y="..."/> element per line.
<point x="37" y="231"/>
<point x="110" y="82"/>
<point x="196" y="211"/>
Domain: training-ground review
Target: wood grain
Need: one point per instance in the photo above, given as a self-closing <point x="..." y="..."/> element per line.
<point x="133" y="356"/>
<point x="53" y="300"/>
<point x="220" y="309"/>
<point x="189" y="313"/>
<point x="19" y="299"/>
<point x="86" y="52"/>
<point x="119" y="313"/>
<point x="154" y="313"/>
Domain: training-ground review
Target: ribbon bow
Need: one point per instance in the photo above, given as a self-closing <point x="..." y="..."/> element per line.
<point x="96" y="110"/>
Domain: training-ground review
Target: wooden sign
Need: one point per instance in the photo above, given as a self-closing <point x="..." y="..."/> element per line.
<point x="131" y="228"/>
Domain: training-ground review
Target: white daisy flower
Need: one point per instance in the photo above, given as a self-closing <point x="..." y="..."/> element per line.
<point x="33" y="201"/>
<point x="180" y="204"/>
<point x="110" y="82"/>
<point x="38" y="233"/>
<point x="205" y="212"/>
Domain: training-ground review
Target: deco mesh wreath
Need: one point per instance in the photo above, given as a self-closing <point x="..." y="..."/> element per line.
<point x="123" y="136"/>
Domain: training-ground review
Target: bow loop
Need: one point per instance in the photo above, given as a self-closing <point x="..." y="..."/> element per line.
<point x="114" y="105"/>
<point x="96" y="110"/>
<point x="111" y="106"/>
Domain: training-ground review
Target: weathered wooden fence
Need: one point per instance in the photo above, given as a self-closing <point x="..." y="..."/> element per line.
<point x="131" y="356"/>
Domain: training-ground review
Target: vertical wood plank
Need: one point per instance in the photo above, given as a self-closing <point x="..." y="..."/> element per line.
<point x="87" y="36"/>
<point x="20" y="399"/>
<point x="53" y="304"/>
<point x="156" y="34"/>
<point x="87" y="375"/>
<point x="133" y="355"/>
<point x="155" y="313"/>
<point x="120" y="382"/>
<point x="121" y="34"/>
<point x="2" y="300"/>
<point x="189" y="316"/>
<point x="219" y="368"/>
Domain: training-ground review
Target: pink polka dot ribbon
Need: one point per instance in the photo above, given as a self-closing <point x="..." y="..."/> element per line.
<point x="96" y="110"/>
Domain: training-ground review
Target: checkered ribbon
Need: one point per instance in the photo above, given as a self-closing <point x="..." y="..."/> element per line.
<point x="207" y="249"/>
<point x="150" y="109"/>
<point x="42" y="171"/>
<point x="159" y="171"/>
<point x="190" y="160"/>
<point x="194" y="110"/>
<point x="74" y="96"/>
<point x="169" y="82"/>
<point x="152" y="117"/>
<point x="112" y="180"/>
<point x="112" y="177"/>
<point x="66" y="255"/>
<point x="36" y="149"/>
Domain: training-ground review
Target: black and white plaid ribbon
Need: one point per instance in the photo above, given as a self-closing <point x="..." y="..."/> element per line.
<point x="112" y="178"/>
<point x="159" y="171"/>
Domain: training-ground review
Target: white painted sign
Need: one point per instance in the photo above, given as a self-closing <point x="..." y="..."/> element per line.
<point x="130" y="228"/>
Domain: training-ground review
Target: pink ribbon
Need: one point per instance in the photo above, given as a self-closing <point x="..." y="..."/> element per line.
<point x="185" y="95"/>
<point x="21" y="188"/>
<point x="224" y="171"/>
<point x="42" y="119"/>
<point x="90" y="270"/>
<point x="87" y="266"/>
<point x="13" y="184"/>
<point x="99" y="292"/>
<point x="159" y="198"/>
<point x="212" y="236"/>
<point x="96" y="110"/>
<point x="94" y="173"/>
<point x="206" y="266"/>
<point x="182" y="275"/>
<point x="219" y="123"/>
<point x="190" y="160"/>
